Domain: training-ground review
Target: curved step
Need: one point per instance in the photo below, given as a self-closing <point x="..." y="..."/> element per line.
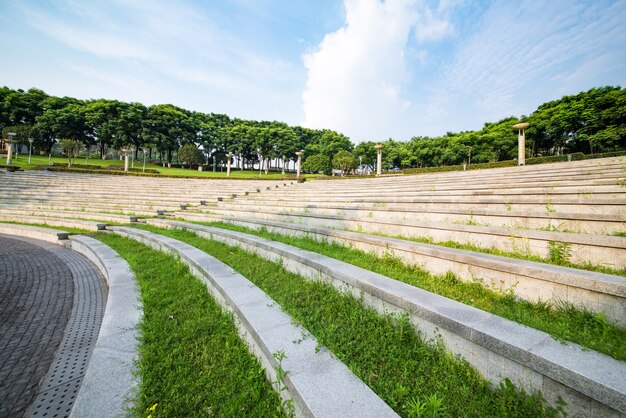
<point x="597" y="292"/>
<point x="604" y="250"/>
<point x="109" y="381"/>
<point x="319" y="384"/>
<point x="497" y="347"/>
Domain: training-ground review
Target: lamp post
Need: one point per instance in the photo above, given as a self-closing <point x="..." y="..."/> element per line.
<point x="125" y="151"/>
<point x="299" y="154"/>
<point x="379" y="159"/>
<point x="258" y="150"/>
<point x="229" y="156"/>
<point x="521" y="142"/>
<point x="30" y="148"/>
<point x="144" y="159"/>
<point x="361" y="164"/>
<point x="11" y="135"/>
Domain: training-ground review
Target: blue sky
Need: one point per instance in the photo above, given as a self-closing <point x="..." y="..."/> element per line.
<point x="368" y="68"/>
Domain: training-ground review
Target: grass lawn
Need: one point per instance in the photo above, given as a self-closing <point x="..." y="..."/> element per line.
<point x="38" y="160"/>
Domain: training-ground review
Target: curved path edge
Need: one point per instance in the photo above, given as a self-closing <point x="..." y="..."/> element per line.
<point x="110" y="384"/>
<point x="318" y="383"/>
<point x="591" y="382"/>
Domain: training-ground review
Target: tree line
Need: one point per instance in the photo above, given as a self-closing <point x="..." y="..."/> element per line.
<point x="589" y="122"/>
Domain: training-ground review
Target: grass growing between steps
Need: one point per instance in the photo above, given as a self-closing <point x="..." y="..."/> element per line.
<point x="191" y="359"/>
<point x="384" y="351"/>
<point x="557" y="258"/>
<point x="564" y="323"/>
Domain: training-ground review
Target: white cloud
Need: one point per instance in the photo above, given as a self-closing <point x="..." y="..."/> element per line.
<point x="522" y="54"/>
<point x="169" y="44"/>
<point x="356" y="75"/>
<point x="435" y="24"/>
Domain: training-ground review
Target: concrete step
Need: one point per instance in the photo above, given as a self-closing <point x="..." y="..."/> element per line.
<point x="318" y="383"/>
<point x="535" y="205"/>
<point x="601" y="250"/>
<point x="497" y="347"/>
<point x="606" y="224"/>
<point x="597" y="292"/>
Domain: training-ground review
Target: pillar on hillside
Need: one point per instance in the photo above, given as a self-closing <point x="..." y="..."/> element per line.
<point x="379" y="159"/>
<point x="299" y="163"/>
<point x="229" y="156"/>
<point x="521" y="142"/>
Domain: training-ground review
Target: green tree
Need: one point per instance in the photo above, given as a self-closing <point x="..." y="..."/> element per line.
<point x="71" y="148"/>
<point x="188" y="154"/>
<point x="317" y="163"/>
<point x="343" y="161"/>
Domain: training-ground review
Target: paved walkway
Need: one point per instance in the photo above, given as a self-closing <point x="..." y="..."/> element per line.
<point x="51" y="306"/>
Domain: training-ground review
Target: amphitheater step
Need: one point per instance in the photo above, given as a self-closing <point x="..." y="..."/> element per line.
<point x="597" y="292"/>
<point x="318" y="383"/>
<point x="507" y="349"/>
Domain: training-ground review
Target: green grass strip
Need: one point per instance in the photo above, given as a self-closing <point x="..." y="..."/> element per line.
<point x="564" y="322"/>
<point x="414" y="377"/>
<point x="191" y="359"/>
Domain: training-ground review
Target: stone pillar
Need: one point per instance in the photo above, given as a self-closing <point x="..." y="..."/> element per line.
<point x="126" y="161"/>
<point x="379" y="159"/>
<point x="521" y="147"/>
<point x="10" y="135"/>
<point x="9" y="152"/>
<point x="299" y="163"/>
<point x="284" y="159"/>
<point x="521" y="142"/>
<point x="229" y="156"/>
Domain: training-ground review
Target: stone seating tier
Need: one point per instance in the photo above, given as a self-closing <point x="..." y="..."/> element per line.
<point x="529" y="280"/>
<point x="589" y="223"/>
<point x="318" y="383"/>
<point x="601" y="250"/>
<point x="592" y="384"/>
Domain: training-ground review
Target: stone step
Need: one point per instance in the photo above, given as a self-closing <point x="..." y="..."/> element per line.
<point x="606" y="224"/>
<point x="62" y="222"/>
<point x="91" y="207"/>
<point x="601" y="250"/>
<point x="85" y="216"/>
<point x="528" y="205"/>
<point x="318" y="383"/>
<point x="497" y="347"/>
<point x="597" y="292"/>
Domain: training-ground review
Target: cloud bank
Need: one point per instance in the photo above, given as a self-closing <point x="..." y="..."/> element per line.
<point x="356" y="74"/>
